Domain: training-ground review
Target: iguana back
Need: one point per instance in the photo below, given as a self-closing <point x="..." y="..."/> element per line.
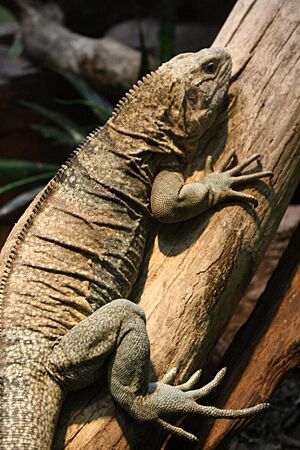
<point x="82" y="246"/>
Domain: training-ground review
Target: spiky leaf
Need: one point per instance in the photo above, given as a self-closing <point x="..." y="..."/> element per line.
<point x="61" y="120"/>
<point x="18" y="202"/>
<point x="25" y="181"/>
<point x="14" y="169"/>
<point x="98" y="104"/>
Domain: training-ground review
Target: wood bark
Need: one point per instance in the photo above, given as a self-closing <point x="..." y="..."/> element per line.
<point x="106" y="63"/>
<point x="269" y="343"/>
<point x="199" y="269"/>
<point x="259" y="281"/>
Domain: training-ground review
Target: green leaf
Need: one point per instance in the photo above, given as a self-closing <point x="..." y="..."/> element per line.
<point x="167" y="31"/>
<point x="144" y="65"/>
<point x="20" y="201"/>
<point x="56" y="134"/>
<point x="98" y="104"/>
<point x="101" y="114"/>
<point x="16" y="49"/>
<point x="25" y="181"/>
<point x="61" y="120"/>
<point x="6" y="16"/>
<point x="14" y="169"/>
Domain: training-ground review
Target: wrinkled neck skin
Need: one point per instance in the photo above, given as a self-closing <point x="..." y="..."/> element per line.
<point x="150" y="138"/>
<point x="154" y="132"/>
<point x="149" y="125"/>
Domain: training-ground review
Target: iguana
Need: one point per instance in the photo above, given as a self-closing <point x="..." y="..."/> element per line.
<point x="68" y="266"/>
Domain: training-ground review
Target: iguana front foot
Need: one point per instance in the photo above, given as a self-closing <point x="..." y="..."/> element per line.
<point x="174" y="200"/>
<point x="222" y="180"/>
<point x="163" y="400"/>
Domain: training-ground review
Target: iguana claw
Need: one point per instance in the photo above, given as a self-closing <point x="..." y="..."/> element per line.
<point x="165" y="400"/>
<point x="221" y="181"/>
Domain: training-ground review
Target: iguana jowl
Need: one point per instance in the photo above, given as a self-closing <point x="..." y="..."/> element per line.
<point x="69" y="264"/>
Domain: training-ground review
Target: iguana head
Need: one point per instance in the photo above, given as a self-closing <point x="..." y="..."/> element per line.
<point x="177" y="103"/>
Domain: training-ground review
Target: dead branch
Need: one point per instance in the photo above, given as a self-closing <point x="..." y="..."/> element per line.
<point x="269" y="343"/>
<point x="104" y="62"/>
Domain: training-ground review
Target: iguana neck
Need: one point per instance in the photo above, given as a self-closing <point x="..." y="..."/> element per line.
<point x="144" y="114"/>
<point x="149" y="136"/>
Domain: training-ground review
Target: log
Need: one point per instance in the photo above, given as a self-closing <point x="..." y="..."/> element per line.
<point x="104" y="62"/>
<point x="198" y="270"/>
<point x="258" y="284"/>
<point x="269" y="341"/>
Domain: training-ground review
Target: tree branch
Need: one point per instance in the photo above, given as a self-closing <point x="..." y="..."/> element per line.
<point x="104" y="62"/>
<point x="269" y="343"/>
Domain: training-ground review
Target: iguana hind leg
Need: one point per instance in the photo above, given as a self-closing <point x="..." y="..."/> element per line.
<point x="118" y="331"/>
<point x="76" y="360"/>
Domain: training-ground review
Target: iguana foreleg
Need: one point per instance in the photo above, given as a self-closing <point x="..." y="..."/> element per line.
<point x="172" y="200"/>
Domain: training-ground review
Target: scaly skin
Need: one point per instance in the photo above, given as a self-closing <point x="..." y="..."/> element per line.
<point x="72" y="258"/>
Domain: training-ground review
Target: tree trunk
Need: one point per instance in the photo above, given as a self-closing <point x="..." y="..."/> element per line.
<point x="199" y="269"/>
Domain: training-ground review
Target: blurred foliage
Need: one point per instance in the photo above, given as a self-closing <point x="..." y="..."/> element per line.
<point x="166" y="43"/>
<point x="25" y="181"/>
<point x="6" y="16"/>
<point x="20" y="174"/>
<point x="101" y="107"/>
<point x="144" y="66"/>
<point x="17" y="48"/>
<point x="15" y="169"/>
<point x="66" y="131"/>
<point x="19" y="201"/>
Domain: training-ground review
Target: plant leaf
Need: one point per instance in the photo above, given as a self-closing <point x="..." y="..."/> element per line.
<point x="60" y="119"/>
<point x="56" y="134"/>
<point x="24" y="181"/>
<point x="102" y="114"/>
<point x="167" y="31"/>
<point x="98" y="104"/>
<point x="14" y="169"/>
<point x="6" y="16"/>
<point x="19" y="201"/>
<point x="144" y="65"/>
<point x="17" y="48"/>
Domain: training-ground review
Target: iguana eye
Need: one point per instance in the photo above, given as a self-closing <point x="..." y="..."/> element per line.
<point x="210" y="67"/>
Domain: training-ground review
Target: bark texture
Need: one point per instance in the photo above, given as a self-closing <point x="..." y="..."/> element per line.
<point x="104" y="62"/>
<point x="269" y="343"/>
<point x="258" y="284"/>
<point x="199" y="269"/>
